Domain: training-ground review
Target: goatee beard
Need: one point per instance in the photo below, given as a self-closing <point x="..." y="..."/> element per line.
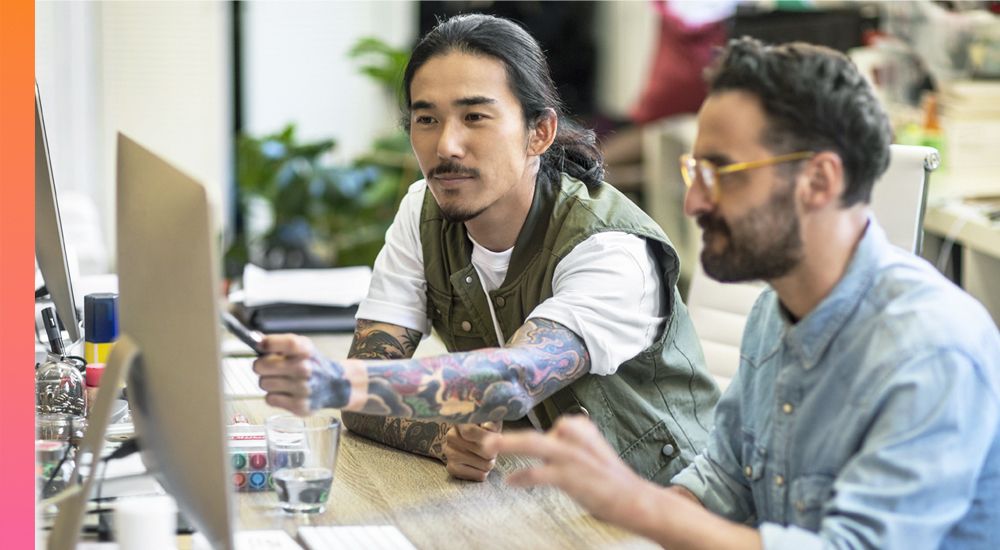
<point x="763" y="244"/>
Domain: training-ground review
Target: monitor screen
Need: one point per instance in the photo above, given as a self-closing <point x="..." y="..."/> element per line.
<point x="50" y="246"/>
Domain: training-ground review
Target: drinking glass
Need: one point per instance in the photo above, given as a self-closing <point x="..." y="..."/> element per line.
<point x="302" y="453"/>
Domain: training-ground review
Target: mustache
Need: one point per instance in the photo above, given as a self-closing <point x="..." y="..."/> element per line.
<point x="452" y="169"/>
<point x="708" y="222"/>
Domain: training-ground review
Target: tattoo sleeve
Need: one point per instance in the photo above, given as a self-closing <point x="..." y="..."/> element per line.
<point x="484" y="385"/>
<point x="384" y="341"/>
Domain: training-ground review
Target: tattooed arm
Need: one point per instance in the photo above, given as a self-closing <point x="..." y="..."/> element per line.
<point x="486" y="385"/>
<point x="472" y="387"/>
<point x="373" y="340"/>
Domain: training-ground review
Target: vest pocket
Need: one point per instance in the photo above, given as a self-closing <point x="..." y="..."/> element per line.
<point x="438" y="305"/>
<point x="456" y="325"/>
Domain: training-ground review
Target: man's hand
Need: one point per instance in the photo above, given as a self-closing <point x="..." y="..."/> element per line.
<point x="577" y="460"/>
<point x="296" y="378"/>
<point x="284" y="371"/>
<point x="464" y="454"/>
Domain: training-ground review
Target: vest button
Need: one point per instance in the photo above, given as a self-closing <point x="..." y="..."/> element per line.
<point x="668" y="449"/>
<point x="501" y="301"/>
<point x="466" y="326"/>
<point x="468" y="280"/>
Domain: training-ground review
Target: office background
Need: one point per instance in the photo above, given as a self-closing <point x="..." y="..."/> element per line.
<point x="163" y="72"/>
<point x="187" y="79"/>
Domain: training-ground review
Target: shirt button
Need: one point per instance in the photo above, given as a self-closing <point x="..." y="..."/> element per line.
<point x="779" y="480"/>
<point x="468" y="280"/>
<point x="748" y="471"/>
<point x="501" y="301"/>
<point x="668" y="449"/>
<point x="466" y="326"/>
<point x="787" y="408"/>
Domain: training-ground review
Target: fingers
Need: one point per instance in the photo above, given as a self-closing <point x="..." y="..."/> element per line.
<point x="466" y="458"/>
<point x="289" y="345"/>
<point x="580" y="432"/>
<point x="284" y="385"/>
<point x="458" y="456"/>
<point x="473" y="433"/>
<point x="467" y="438"/>
<point x="464" y="471"/>
<point x="527" y="443"/>
<point x="532" y="477"/>
<point x="491" y="443"/>
<point x="280" y="365"/>
<point x="284" y="371"/>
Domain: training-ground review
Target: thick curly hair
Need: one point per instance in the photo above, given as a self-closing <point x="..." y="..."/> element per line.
<point x="815" y="100"/>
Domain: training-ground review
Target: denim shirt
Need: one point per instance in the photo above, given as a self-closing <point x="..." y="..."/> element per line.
<point x="871" y="422"/>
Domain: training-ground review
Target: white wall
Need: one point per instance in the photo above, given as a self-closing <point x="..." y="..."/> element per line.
<point x="626" y="42"/>
<point x="66" y="47"/>
<point x="296" y="69"/>
<point x="158" y="71"/>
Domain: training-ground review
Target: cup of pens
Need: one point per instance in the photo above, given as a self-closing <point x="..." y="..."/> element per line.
<point x="303" y="455"/>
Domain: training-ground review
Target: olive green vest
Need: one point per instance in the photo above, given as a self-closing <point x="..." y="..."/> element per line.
<point x="656" y="409"/>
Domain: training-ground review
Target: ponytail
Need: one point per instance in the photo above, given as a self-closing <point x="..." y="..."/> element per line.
<point x="574" y="152"/>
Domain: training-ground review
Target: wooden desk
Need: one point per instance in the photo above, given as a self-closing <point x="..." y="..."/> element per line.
<point x="377" y="485"/>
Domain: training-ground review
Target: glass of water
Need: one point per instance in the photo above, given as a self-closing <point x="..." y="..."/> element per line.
<point x="302" y="453"/>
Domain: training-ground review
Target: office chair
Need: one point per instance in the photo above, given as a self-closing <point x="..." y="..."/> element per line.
<point x="719" y="310"/>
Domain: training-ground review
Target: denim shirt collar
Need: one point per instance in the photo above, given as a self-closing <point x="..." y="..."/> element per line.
<point x="812" y="335"/>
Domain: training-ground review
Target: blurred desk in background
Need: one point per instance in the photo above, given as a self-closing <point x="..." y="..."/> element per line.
<point x="959" y="233"/>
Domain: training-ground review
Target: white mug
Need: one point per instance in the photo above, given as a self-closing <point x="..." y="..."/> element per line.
<point x="146" y="523"/>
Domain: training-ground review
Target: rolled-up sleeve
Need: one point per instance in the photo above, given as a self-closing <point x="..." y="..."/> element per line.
<point x="715" y="476"/>
<point x="917" y="470"/>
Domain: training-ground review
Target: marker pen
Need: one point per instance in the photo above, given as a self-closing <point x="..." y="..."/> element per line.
<point x="100" y="316"/>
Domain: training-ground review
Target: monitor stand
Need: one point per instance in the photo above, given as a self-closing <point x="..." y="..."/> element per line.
<point x="72" y="502"/>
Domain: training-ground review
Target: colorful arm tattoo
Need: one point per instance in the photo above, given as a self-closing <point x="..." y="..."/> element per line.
<point x="384" y="341"/>
<point x="484" y="385"/>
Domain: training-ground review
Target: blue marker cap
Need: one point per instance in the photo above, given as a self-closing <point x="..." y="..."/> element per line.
<point x="100" y="317"/>
<point x="258" y="480"/>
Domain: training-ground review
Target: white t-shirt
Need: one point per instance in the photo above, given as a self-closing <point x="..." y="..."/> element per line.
<point x="606" y="290"/>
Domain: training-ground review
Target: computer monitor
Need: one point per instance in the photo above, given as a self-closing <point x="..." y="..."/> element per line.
<point x="168" y="282"/>
<point x="50" y="246"/>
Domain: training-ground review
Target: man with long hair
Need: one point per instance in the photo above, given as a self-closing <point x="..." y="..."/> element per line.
<point x="555" y="294"/>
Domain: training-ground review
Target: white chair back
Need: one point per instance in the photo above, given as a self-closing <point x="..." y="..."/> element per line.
<point x="899" y="198"/>
<point x="719" y="310"/>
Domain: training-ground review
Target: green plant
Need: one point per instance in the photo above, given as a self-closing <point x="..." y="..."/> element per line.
<point x="383" y="63"/>
<point x="321" y="215"/>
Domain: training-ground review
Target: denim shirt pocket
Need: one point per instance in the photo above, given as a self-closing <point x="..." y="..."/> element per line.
<point x="753" y="459"/>
<point x="808" y="495"/>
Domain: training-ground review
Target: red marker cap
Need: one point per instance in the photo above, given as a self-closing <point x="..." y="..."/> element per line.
<point x="94" y="373"/>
